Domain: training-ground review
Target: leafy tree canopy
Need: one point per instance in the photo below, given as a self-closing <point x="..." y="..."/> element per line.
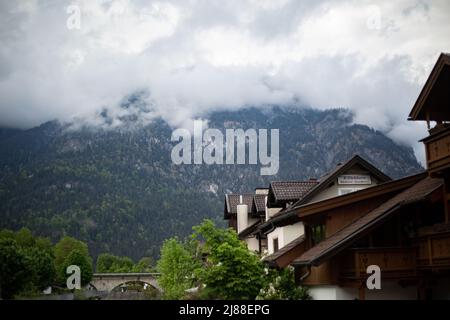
<point x="13" y="268"/>
<point x="220" y="266"/>
<point x="63" y="250"/>
<point x="282" y="287"/>
<point x="26" y="262"/>
<point x="230" y="271"/>
<point x="79" y="258"/>
<point x="177" y="268"/>
<point x="107" y="262"/>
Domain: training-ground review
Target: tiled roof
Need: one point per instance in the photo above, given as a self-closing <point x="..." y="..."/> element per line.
<point x="352" y="232"/>
<point x="290" y="190"/>
<point x="259" y="203"/>
<point x="256" y="203"/>
<point x="232" y="200"/>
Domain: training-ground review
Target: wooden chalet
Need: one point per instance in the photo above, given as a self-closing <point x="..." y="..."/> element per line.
<point x="332" y="229"/>
<point x="402" y="226"/>
<point x="348" y="177"/>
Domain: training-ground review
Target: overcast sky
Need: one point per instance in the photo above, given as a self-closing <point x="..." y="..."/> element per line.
<point x="195" y="56"/>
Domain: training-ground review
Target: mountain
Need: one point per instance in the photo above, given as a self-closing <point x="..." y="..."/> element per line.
<point x="118" y="189"/>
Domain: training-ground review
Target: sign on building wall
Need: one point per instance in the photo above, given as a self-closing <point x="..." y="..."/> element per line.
<point x="354" y="179"/>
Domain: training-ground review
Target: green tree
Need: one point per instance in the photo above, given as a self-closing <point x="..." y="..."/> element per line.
<point x="212" y="236"/>
<point x="230" y="271"/>
<point x="14" y="274"/>
<point x="104" y="262"/>
<point x="79" y="258"/>
<point x="36" y="261"/>
<point x="45" y="244"/>
<point x="177" y="268"/>
<point x="39" y="258"/>
<point x="63" y="250"/>
<point x="144" y="265"/>
<point x="7" y="234"/>
<point x="25" y="238"/>
<point x="110" y="263"/>
<point x="122" y="265"/>
<point x="282" y="287"/>
<point x="39" y="262"/>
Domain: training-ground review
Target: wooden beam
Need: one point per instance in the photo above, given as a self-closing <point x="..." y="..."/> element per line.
<point x="357" y="267"/>
<point x="361" y="195"/>
<point x="446" y="209"/>
<point x="446" y="197"/>
<point x="362" y="292"/>
<point x="430" y="252"/>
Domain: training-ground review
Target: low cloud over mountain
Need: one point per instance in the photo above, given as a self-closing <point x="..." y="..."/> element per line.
<point x="194" y="57"/>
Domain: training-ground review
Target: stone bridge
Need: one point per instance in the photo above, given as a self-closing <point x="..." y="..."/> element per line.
<point x="106" y="282"/>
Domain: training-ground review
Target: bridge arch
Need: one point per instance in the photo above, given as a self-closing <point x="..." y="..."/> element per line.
<point x="128" y="283"/>
<point x="107" y="282"/>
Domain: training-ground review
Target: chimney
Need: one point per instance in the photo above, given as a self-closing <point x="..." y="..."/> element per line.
<point x="267" y="209"/>
<point x="242" y="215"/>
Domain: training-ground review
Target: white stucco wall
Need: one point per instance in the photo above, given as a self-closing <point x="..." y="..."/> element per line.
<point x="292" y="232"/>
<point x="277" y="233"/>
<point x="333" y="191"/>
<point x="327" y="293"/>
<point x="389" y="291"/>
<point x="285" y="235"/>
<point x="270" y="212"/>
<point x="252" y="244"/>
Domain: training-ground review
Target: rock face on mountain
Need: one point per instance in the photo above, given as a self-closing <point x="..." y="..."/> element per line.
<point x="118" y="189"/>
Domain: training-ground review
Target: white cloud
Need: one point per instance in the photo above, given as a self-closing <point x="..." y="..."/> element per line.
<point x="195" y="56"/>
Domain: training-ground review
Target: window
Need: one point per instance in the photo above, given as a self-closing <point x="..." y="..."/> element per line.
<point x="275" y="245"/>
<point x="317" y="233"/>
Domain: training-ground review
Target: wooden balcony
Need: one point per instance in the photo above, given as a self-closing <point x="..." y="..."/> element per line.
<point x="437" y="147"/>
<point x="393" y="262"/>
<point x="434" y="250"/>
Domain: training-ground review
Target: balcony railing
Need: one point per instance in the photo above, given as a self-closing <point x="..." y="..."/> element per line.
<point x="438" y="148"/>
<point x="393" y="262"/>
<point x="434" y="250"/>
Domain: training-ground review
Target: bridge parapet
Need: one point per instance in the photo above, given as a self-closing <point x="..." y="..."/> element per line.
<point x="108" y="281"/>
